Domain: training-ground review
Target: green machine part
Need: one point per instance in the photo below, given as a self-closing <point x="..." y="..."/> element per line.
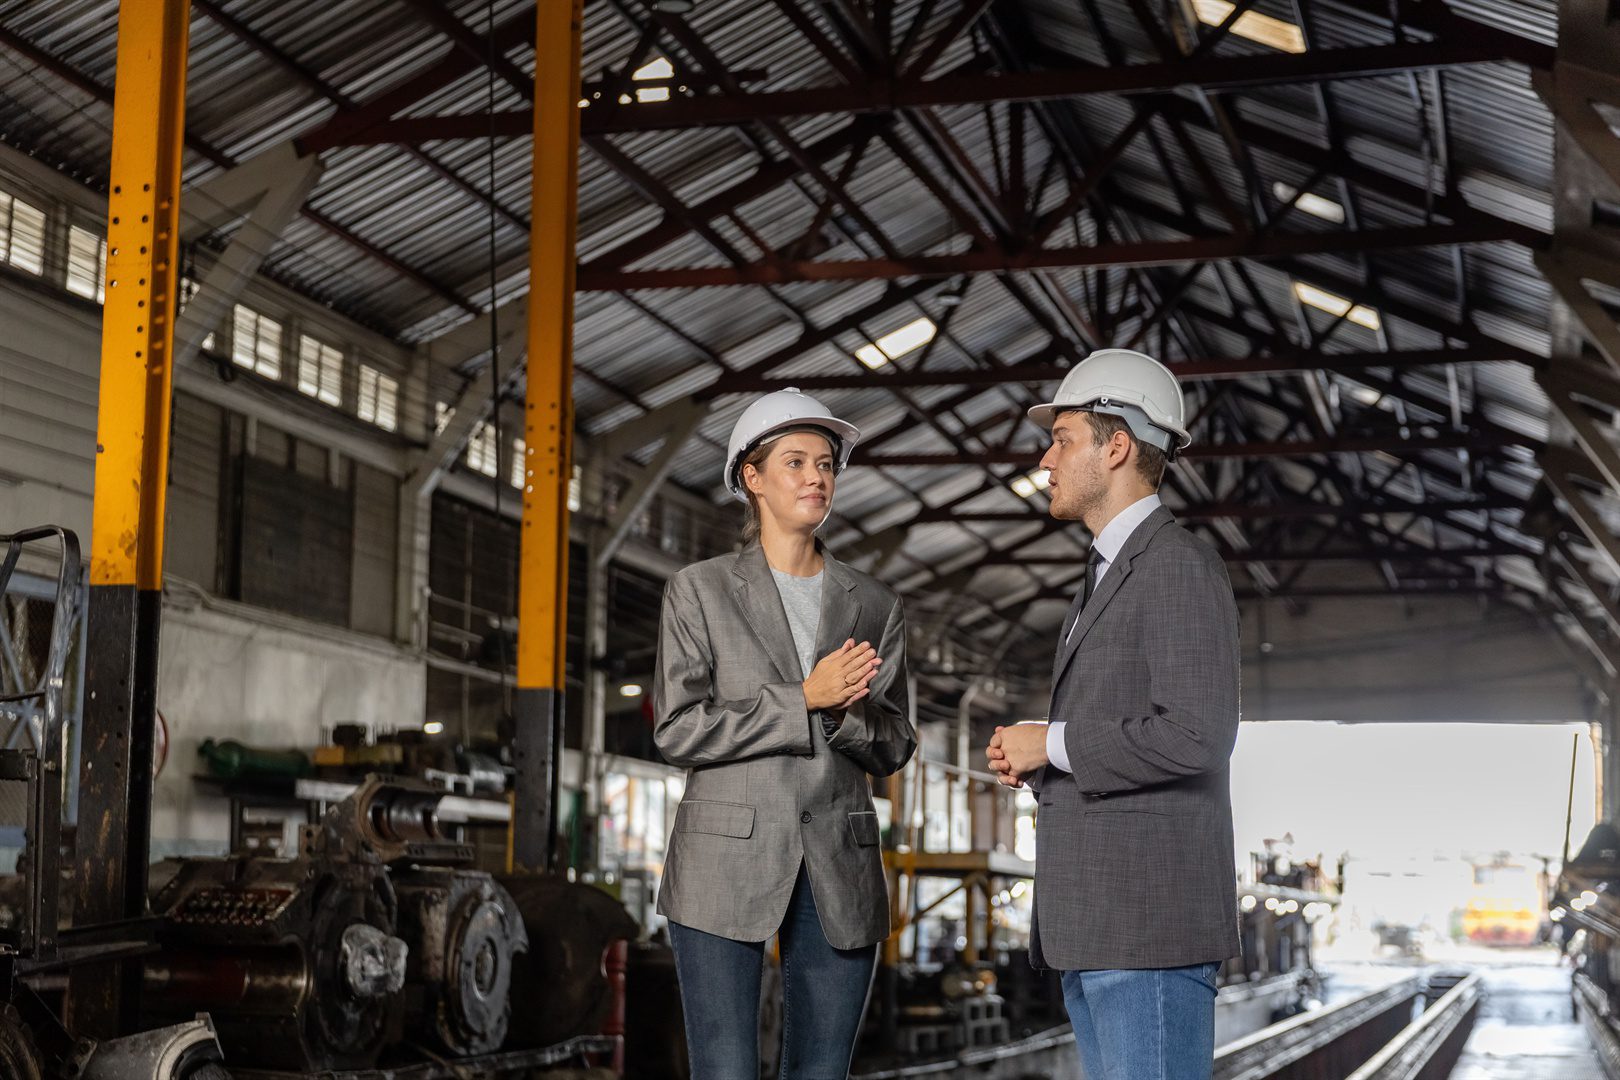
<point x="232" y="760"/>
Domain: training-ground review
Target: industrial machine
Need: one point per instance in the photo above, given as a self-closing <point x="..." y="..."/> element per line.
<point x="34" y="1044"/>
<point x="324" y="960"/>
<point x="1585" y="911"/>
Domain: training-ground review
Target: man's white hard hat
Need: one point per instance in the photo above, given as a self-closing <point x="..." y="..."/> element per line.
<point x="1127" y="384"/>
<point x="776" y="414"/>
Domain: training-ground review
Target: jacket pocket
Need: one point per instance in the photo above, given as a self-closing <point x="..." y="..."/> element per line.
<point x="720" y="818"/>
<point x="864" y="824"/>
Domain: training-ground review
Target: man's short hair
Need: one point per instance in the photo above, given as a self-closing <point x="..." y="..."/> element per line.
<point x="1150" y="460"/>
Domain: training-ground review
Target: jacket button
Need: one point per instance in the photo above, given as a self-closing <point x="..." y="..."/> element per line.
<point x="805" y="817"/>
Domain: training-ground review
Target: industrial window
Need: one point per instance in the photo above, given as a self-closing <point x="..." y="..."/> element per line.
<point x="87" y="264"/>
<point x="256" y="342"/>
<point x="320" y="370"/>
<point x="481" y="452"/>
<point x="22" y="234"/>
<point x="519" y="465"/>
<point x="379" y="398"/>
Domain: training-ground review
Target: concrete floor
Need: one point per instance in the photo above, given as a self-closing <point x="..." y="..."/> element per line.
<point x="1525" y="1030"/>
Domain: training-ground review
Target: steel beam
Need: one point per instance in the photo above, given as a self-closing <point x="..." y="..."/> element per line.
<point x="884" y="95"/>
<point x="677" y="428"/>
<point x="475" y="405"/>
<point x="1561" y="467"/>
<point x="1200" y="370"/>
<point x="991" y="261"/>
<point x="1474" y="441"/>
<point x="132" y="458"/>
<point x="548" y="437"/>
<point x="1363" y="554"/>
<point x="284" y="180"/>
<point x="1257" y="510"/>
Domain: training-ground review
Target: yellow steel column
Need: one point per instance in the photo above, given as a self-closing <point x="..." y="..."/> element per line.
<point x="548" y="425"/>
<point x="132" y="455"/>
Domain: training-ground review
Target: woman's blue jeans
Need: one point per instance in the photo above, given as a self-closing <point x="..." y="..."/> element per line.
<point x="824" y="994"/>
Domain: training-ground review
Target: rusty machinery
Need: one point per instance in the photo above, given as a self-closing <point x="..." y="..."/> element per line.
<point x="377" y="941"/>
<point x="34" y="1044"/>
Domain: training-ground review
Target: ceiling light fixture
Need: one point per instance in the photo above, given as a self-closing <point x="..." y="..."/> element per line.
<point x="896" y="343"/>
<point x="1313" y="204"/>
<point x="1336" y="305"/>
<point x="1025" y="486"/>
<point x="660" y="68"/>
<point x="1264" y="29"/>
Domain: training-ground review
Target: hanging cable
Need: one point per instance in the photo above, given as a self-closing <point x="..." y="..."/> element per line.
<point x="496" y="391"/>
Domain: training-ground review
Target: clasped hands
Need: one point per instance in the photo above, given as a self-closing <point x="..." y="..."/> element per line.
<point x="1015" y="752"/>
<point x="842" y="677"/>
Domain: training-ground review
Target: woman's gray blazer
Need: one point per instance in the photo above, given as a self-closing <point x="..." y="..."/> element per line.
<point x="766" y="788"/>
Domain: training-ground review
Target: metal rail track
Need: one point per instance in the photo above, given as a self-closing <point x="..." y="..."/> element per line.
<point x="1385" y="1034"/>
<point x="1431" y="1044"/>
<point x="1592" y="1007"/>
<point x="1327" y="1044"/>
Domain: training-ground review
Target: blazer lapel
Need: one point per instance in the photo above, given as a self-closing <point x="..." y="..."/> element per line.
<point x="761" y="604"/>
<point x="839" y="607"/>
<point x="1117" y="572"/>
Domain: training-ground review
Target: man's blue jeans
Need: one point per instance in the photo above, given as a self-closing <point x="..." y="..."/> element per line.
<point x="1153" y="1024"/>
<point x="823" y="990"/>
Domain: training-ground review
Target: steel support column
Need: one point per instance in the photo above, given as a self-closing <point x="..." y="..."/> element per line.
<point x="548" y="435"/>
<point x="132" y="452"/>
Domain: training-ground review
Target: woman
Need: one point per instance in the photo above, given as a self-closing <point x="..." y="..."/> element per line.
<point x="781" y="686"/>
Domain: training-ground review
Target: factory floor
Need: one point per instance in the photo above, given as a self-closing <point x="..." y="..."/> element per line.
<point x="1525" y="1029"/>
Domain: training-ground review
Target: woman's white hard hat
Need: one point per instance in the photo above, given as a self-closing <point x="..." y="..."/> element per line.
<point x="775" y="414"/>
<point x="1127" y="384"/>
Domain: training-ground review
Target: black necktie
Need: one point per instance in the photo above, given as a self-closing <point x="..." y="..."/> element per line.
<point x="1084" y="596"/>
<point x="1092" y="559"/>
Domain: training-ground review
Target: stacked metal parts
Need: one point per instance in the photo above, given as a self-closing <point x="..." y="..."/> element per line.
<point x="376" y="934"/>
<point x="1586" y="910"/>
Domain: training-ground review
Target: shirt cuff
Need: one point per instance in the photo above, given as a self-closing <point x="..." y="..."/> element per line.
<point x="1056" y="751"/>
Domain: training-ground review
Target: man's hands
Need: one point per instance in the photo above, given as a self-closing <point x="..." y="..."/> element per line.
<point x="842" y="677"/>
<point x="1015" y="753"/>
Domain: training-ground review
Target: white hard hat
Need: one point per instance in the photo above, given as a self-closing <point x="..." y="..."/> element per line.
<point x="775" y="414"/>
<point x="1127" y="384"/>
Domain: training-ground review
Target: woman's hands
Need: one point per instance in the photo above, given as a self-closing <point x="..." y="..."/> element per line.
<point x="842" y="677"/>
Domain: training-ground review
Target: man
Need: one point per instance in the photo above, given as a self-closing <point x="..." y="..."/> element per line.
<point x="1135" y="902"/>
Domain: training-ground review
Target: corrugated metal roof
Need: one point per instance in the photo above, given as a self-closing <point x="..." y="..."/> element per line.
<point x="422" y="210"/>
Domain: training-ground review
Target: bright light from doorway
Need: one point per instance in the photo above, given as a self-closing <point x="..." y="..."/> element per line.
<point x="896" y="343"/>
<point x="433" y="727"/>
<point x="1313" y="204"/>
<point x="1269" y="31"/>
<point x="1039" y="480"/>
<point x="1336" y="305"/>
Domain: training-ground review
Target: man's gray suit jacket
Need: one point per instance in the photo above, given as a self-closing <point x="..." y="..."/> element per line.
<point x="1134" y="848"/>
<point x="766" y="788"/>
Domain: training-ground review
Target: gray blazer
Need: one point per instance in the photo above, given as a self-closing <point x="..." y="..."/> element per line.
<point x="766" y="790"/>
<point x="1134" y="849"/>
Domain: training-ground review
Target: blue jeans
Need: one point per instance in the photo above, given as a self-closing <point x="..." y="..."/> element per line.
<point x="1153" y="1024"/>
<point x="823" y="989"/>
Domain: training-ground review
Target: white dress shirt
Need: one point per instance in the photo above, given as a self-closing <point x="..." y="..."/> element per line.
<point x="1107" y="545"/>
